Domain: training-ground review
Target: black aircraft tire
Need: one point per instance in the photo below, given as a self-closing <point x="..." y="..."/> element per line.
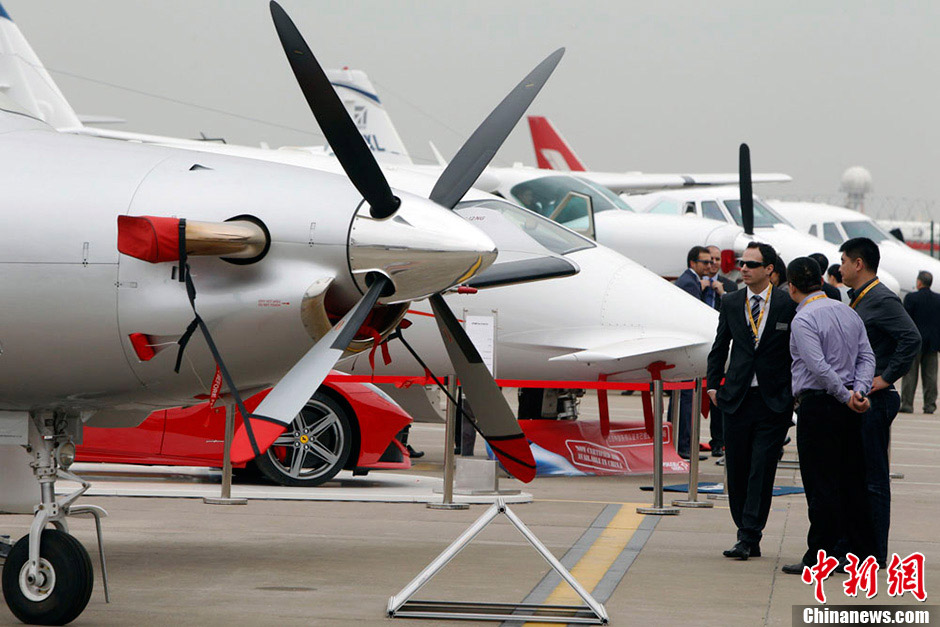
<point x="70" y="566"/>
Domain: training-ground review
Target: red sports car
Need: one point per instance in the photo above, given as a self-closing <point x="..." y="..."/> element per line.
<point x="344" y="425"/>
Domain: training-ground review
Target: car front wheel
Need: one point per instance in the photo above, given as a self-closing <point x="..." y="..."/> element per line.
<point x="315" y="447"/>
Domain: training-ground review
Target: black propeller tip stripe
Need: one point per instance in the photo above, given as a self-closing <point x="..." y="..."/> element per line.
<point x="747" y="192"/>
<point x="341" y="132"/>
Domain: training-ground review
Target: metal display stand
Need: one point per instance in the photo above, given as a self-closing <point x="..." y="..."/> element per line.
<point x="225" y="498"/>
<point x="450" y="431"/>
<point x="403" y="606"/>
<point x="658" y="509"/>
<point x="696" y="417"/>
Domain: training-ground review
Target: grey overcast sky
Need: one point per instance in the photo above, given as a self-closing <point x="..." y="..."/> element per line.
<point x="814" y="87"/>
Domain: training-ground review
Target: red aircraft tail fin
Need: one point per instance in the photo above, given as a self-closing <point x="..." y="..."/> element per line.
<point x="552" y="152"/>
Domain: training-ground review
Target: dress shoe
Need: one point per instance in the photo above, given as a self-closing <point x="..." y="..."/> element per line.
<point x="686" y="456"/>
<point x="793" y="569"/>
<point x="413" y="453"/>
<point x="718" y="451"/>
<point x="906" y="410"/>
<point x="741" y="551"/>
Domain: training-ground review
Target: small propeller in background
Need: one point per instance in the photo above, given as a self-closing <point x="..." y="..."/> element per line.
<point x="747" y="190"/>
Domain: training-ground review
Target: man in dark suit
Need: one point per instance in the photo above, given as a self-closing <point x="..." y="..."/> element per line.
<point x="755" y="398"/>
<point x="720" y="286"/>
<point x="694" y="281"/>
<point x="831" y="291"/>
<point x="923" y="306"/>
<point x="895" y="340"/>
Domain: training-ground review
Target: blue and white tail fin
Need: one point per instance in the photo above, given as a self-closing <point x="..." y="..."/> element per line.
<point x="361" y="100"/>
<point x="24" y="79"/>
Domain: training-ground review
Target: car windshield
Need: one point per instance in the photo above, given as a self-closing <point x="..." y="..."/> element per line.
<point x="763" y="215"/>
<point x="551" y="235"/>
<point x="864" y="228"/>
<point x="543" y="195"/>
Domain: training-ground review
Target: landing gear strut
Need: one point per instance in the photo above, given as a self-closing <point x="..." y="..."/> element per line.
<point x="47" y="576"/>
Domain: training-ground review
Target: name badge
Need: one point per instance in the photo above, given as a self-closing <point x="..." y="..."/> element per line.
<point x="782" y="326"/>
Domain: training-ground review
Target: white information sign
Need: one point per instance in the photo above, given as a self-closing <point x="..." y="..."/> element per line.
<point x="482" y="332"/>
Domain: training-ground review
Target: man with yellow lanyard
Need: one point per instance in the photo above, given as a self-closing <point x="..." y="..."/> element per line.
<point x="895" y="341"/>
<point x="755" y="397"/>
<point x="833" y="366"/>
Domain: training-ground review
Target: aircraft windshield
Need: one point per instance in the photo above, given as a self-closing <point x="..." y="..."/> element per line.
<point x="549" y="234"/>
<point x="763" y="215"/>
<point x="543" y="195"/>
<point x="864" y="228"/>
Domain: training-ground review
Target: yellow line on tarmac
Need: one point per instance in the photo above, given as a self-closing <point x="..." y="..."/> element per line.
<point x="591" y="568"/>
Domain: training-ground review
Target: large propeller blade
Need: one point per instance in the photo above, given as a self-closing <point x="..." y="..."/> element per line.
<point x="344" y="138"/>
<point x="747" y="192"/>
<point x="295" y="388"/>
<point x="493" y="416"/>
<point x="477" y="152"/>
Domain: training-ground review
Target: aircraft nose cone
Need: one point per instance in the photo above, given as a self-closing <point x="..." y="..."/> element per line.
<point x="423" y="249"/>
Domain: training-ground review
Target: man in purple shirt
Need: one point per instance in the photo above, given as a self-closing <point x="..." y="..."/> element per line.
<point x="833" y="367"/>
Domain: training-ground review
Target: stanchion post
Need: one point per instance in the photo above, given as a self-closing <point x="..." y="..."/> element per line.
<point x="696" y="417"/>
<point x="450" y="431"/>
<point x="225" y="497"/>
<point x="658" y="509"/>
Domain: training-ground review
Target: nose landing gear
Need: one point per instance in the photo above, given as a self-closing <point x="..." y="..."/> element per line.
<point x="47" y="575"/>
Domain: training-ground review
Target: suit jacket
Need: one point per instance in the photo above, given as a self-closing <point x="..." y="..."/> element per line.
<point x="729" y="285"/>
<point x="893" y="335"/>
<point x="690" y="282"/>
<point x="832" y="291"/>
<point x="923" y="306"/>
<point x="770" y="360"/>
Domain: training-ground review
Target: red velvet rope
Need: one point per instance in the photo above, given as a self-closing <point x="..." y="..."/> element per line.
<point x="514" y="383"/>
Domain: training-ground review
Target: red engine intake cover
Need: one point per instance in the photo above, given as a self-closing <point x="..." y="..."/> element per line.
<point x="149" y="238"/>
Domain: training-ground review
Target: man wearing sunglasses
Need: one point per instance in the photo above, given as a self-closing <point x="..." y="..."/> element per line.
<point x="719" y="287"/>
<point x="755" y="397"/>
<point x="694" y="280"/>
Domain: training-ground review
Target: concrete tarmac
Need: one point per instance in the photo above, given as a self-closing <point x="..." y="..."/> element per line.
<point x="181" y="562"/>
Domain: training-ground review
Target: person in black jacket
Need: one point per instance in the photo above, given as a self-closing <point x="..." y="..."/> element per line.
<point x="895" y="340"/>
<point x="715" y="418"/>
<point x="756" y="398"/>
<point x="923" y="306"/>
<point x="831" y="291"/>
<point x="694" y="281"/>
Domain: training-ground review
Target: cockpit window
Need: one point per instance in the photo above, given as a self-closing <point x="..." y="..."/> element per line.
<point x="864" y="228"/>
<point x="551" y="235"/>
<point x="543" y="195"/>
<point x="763" y="215"/>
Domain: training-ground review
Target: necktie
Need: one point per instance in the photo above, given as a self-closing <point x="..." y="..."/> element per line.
<point x="755" y="311"/>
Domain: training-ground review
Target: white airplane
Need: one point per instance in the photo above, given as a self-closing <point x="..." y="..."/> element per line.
<point x="706" y="196"/>
<point x="724" y="203"/>
<point x="113" y="247"/>
<point x="542" y="333"/>
<point x="588" y="202"/>
<point x="838" y="224"/>
<point x="552" y="152"/>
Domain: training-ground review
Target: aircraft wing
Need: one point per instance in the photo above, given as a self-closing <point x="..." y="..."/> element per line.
<point x="634" y="182"/>
<point x="628" y="349"/>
